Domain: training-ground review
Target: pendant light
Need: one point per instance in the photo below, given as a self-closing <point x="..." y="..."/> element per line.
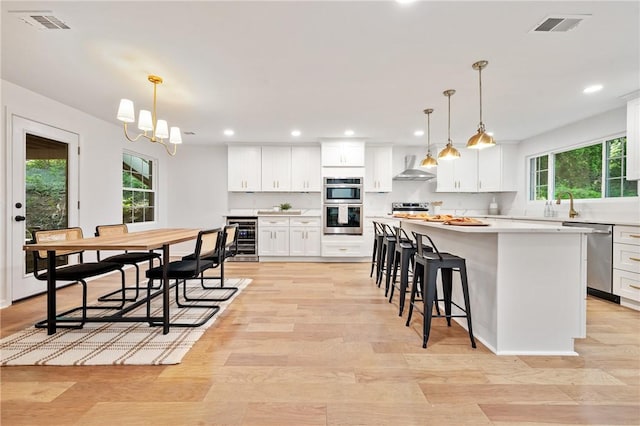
<point x="449" y="152"/>
<point x="429" y="161"/>
<point x="481" y="139"/>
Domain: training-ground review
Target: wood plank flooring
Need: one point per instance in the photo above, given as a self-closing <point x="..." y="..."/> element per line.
<point x="318" y="344"/>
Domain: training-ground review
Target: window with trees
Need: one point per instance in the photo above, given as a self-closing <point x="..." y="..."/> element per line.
<point x="589" y="172"/>
<point x="138" y="189"/>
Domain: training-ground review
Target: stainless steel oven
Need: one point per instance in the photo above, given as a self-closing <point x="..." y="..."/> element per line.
<point x="345" y="190"/>
<point x="342" y="219"/>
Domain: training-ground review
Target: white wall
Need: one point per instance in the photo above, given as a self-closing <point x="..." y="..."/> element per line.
<point x="595" y="128"/>
<point x="100" y="165"/>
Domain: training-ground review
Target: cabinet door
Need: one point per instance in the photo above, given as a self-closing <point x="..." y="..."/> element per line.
<point x="265" y="241"/>
<point x="281" y="241"/>
<point x="343" y="154"/>
<point x="273" y="241"/>
<point x="378" y="169"/>
<point x="297" y="241"/>
<point x="466" y="171"/>
<point x="446" y="178"/>
<point x="497" y="169"/>
<point x="244" y="165"/>
<point x="305" y="169"/>
<point x="276" y="169"/>
<point x="312" y="242"/>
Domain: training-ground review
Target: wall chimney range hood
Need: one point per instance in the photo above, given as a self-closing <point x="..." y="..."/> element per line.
<point x="410" y="172"/>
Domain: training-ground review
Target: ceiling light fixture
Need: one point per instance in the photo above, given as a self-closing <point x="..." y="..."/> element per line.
<point x="429" y="161"/>
<point x="592" y="89"/>
<point x="418" y="133"/>
<point x="481" y="139"/>
<point x="147" y="122"/>
<point x="229" y="132"/>
<point x="349" y="132"/>
<point x="449" y="152"/>
<point x="295" y="133"/>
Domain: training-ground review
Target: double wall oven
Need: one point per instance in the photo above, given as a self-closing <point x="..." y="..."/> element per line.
<point x="342" y="211"/>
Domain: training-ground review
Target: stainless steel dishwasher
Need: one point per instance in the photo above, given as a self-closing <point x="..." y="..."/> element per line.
<point x="599" y="259"/>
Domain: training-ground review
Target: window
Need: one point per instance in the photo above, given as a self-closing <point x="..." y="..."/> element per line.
<point x="138" y="189"/>
<point x="594" y="171"/>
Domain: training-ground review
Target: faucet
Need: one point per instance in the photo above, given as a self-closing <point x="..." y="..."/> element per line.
<point x="572" y="212"/>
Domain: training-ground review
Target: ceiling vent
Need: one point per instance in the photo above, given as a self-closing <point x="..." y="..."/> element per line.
<point x="40" y="19"/>
<point x="559" y="23"/>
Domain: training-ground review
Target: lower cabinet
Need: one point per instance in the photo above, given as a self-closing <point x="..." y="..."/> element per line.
<point x="304" y="236"/>
<point x="273" y="236"/>
<point x="626" y="265"/>
<point x="344" y="246"/>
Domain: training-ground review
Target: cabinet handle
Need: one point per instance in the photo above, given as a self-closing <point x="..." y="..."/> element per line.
<point x="634" y="286"/>
<point x="635" y="258"/>
<point x="342" y="249"/>
<point x="634" y="236"/>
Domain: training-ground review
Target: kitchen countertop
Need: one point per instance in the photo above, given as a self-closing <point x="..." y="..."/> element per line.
<point x="254" y="213"/>
<point x="499" y="226"/>
<point x="579" y="219"/>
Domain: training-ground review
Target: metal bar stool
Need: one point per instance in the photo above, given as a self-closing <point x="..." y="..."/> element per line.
<point x="404" y="257"/>
<point x="431" y="262"/>
<point x="387" y="255"/>
<point x="376" y="255"/>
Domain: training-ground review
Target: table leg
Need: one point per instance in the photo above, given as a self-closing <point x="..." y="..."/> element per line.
<point x="51" y="292"/>
<point x="165" y="292"/>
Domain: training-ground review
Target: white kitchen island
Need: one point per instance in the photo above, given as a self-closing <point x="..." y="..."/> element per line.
<point x="527" y="282"/>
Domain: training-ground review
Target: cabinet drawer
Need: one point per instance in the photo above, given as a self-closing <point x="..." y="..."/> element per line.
<point x="342" y="249"/>
<point x="626" y="234"/>
<point x="626" y="257"/>
<point x="273" y="221"/>
<point x="626" y="284"/>
<point x="305" y="221"/>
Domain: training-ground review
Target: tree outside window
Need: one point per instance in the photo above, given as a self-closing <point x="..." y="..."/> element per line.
<point x="138" y="194"/>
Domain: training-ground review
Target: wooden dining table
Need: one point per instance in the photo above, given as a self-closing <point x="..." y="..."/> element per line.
<point x="142" y="240"/>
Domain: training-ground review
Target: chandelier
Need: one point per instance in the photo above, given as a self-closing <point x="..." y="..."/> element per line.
<point x="481" y="139"/>
<point x="147" y="122"/>
<point x="449" y="152"/>
<point x="429" y="161"/>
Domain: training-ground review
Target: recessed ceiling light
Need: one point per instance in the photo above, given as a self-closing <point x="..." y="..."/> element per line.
<point x="592" y="89"/>
<point x="296" y="133"/>
<point x="349" y="132"/>
<point x="418" y="133"/>
<point x="405" y="1"/>
<point x="229" y="132"/>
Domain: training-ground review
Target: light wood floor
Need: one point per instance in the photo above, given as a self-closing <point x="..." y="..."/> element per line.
<point x="309" y="344"/>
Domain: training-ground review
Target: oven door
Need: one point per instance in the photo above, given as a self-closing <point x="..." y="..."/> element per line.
<point x="342" y="219"/>
<point x="342" y="194"/>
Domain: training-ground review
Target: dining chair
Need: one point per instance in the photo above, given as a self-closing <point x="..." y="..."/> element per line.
<point x="207" y="243"/>
<point x="78" y="272"/>
<point x="126" y="258"/>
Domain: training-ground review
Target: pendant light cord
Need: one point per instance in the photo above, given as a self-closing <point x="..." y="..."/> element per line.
<point x="449" y="121"/>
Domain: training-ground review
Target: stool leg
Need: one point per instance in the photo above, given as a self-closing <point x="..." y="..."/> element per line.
<point x="404" y="279"/>
<point x="373" y="255"/>
<point x="396" y="262"/>
<point x="467" y="303"/>
<point x="447" y="281"/>
<point x="390" y="259"/>
<point x="381" y="265"/>
<point x="379" y="260"/>
<point x="428" y="289"/>
<point x="414" y="289"/>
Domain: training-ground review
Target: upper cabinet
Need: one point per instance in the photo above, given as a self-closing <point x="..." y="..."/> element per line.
<point x="343" y="154"/>
<point x="460" y="175"/>
<point x="305" y="169"/>
<point x="633" y="139"/>
<point x="497" y="168"/>
<point x="378" y="169"/>
<point x="244" y="165"/>
<point x="276" y="169"/>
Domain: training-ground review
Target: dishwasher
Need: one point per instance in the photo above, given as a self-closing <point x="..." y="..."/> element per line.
<point x="599" y="259"/>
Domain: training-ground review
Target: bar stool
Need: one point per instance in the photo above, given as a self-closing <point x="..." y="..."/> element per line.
<point x="378" y="235"/>
<point x="404" y="256"/>
<point x="431" y="262"/>
<point x="387" y="255"/>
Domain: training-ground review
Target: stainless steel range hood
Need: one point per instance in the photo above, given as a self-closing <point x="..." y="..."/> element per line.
<point x="410" y="172"/>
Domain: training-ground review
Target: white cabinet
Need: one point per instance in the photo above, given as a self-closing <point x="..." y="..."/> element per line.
<point x="626" y="265"/>
<point x="304" y="236"/>
<point x="378" y="169"/>
<point x="497" y="168"/>
<point x="345" y="246"/>
<point x="244" y="165"/>
<point x="276" y="169"/>
<point x="633" y="139"/>
<point x="305" y="169"/>
<point x="273" y="236"/>
<point x="343" y="154"/>
<point x="460" y="175"/>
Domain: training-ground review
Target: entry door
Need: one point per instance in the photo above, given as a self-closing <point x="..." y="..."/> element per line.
<point x="44" y="164"/>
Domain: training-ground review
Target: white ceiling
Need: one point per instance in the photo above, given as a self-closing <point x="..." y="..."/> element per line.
<point x="264" y="68"/>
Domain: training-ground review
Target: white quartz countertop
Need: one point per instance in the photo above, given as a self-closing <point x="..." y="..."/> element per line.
<point x="256" y="213"/>
<point x="500" y="226"/>
<point x="625" y="222"/>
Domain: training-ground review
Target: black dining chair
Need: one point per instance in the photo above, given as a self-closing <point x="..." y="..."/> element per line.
<point x="126" y="258"/>
<point x="74" y="273"/>
<point x="181" y="271"/>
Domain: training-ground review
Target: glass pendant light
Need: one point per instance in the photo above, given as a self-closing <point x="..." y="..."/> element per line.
<point x="449" y="152"/>
<point x="481" y="139"/>
<point x="429" y="161"/>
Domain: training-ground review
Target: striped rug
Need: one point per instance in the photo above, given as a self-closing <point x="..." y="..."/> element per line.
<point x="116" y="343"/>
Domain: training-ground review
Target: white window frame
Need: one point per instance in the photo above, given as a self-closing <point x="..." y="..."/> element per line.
<point x="154" y="183"/>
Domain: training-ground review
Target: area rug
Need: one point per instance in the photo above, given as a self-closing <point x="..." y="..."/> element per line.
<point x="117" y="343"/>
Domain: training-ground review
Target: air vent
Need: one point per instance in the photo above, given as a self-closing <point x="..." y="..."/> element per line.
<point x="559" y="23"/>
<point x="40" y="19"/>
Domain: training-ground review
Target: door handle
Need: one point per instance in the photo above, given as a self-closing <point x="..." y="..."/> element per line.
<point x="20" y="218"/>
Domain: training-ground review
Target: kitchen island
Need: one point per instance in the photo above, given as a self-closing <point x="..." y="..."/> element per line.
<point x="527" y="282"/>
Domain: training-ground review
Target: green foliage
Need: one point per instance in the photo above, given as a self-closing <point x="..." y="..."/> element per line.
<point x="579" y="171"/>
<point x="285" y="206"/>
